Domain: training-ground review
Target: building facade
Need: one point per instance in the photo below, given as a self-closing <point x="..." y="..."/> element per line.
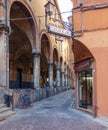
<point x="90" y="43"/>
<point x="29" y="55"/>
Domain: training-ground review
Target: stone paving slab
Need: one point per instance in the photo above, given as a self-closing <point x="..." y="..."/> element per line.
<point x="52" y="113"/>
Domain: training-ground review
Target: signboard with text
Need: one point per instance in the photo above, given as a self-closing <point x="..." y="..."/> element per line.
<point x="59" y="31"/>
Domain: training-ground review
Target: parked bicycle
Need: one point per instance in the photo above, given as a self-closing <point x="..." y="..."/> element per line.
<point x="24" y="101"/>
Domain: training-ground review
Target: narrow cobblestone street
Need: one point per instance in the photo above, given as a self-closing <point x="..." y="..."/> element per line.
<point x="53" y="113"/>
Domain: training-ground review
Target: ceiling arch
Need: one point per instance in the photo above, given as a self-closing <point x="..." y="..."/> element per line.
<point x="17" y="11"/>
<point x="81" y="52"/>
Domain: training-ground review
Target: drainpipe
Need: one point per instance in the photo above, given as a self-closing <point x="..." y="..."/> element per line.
<point x="7" y="44"/>
<point x="81" y="20"/>
<point x="8" y="29"/>
<point x="76" y="35"/>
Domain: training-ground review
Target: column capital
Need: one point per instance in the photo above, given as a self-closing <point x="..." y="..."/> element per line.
<point x="35" y="53"/>
<point x="50" y="63"/>
<point x="4" y="28"/>
<point x="62" y="72"/>
<point x="58" y="67"/>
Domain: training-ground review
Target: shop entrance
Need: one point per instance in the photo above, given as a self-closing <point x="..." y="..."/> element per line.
<point x="85" y="89"/>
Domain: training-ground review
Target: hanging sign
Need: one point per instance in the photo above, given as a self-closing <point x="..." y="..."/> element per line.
<point x="58" y="31"/>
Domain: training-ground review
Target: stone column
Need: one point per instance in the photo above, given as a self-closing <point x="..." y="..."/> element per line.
<point x="66" y="81"/>
<point x="4" y="45"/>
<point x="4" y="56"/>
<point x="36" y="74"/>
<point x="62" y="76"/>
<point x="36" y="70"/>
<point x="58" y="76"/>
<point x="50" y="74"/>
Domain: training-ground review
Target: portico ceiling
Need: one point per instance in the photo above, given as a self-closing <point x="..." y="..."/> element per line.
<point x="19" y="44"/>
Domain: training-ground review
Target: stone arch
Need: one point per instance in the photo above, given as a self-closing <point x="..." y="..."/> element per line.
<point x="61" y="62"/>
<point x="61" y="69"/>
<point x="65" y="68"/>
<point x="45" y="46"/>
<point x="21" y="43"/>
<point x="84" y="65"/>
<point x="65" y="74"/>
<point x="81" y="52"/>
<point x="55" y="56"/>
<point x="20" y="9"/>
<point x="43" y="32"/>
<point x="44" y="59"/>
<point x="55" y="63"/>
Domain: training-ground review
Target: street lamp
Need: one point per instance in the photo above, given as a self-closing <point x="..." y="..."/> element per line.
<point x="49" y="10"/>
<point x="50" y="14"/>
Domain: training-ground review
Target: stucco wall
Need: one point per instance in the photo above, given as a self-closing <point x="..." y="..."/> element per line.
<point x="97" y="43"/>
<point x="95" y="38"/>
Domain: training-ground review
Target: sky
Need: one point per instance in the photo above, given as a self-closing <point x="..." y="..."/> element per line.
<point x="65" y="6"/>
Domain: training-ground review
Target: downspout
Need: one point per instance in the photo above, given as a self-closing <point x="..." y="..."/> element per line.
<point x="81" y="19"/>
<point x="7" y="44"/>
<point x="76" y="35"/>
<point x="8" y="29"/>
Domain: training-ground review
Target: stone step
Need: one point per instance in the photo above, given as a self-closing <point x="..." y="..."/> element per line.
<point x="3" y="109"/>
<point x="2" y="105"/>
<point x="7" y="114"/>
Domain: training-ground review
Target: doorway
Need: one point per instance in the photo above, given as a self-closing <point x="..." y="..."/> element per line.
<point x="19" y="77"/>
<point x="85" y="89"/>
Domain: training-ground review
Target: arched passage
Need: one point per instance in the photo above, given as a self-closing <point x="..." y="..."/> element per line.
<point x="83" y="59"/>
<point x="21" y="43"/>
<point x="44" y="58"/>
<point x="65" y="73"/>
<point x="55" y="62"/>
<point x="61" y="68"/>
<point x="81" y="52"/>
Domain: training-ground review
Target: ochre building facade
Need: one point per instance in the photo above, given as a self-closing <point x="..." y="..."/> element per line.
<point x="29" y="56"/>
<point x="90" y="43"/>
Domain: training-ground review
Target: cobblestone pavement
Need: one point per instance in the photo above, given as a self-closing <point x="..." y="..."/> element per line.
<point x="53" y="113"/>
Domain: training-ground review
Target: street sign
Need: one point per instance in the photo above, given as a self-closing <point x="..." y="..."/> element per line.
<point x="59" y="31"/>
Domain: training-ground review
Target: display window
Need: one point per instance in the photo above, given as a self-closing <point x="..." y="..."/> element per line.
<point x="85" y="89"/>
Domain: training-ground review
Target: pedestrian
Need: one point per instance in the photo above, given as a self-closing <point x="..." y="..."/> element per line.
<point x="54" y="85"/>
<point x="47" y="87"/>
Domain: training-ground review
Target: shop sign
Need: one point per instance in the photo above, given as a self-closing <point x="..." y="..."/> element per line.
<point x="82" y="65"/>
<point x="58" y="31"/>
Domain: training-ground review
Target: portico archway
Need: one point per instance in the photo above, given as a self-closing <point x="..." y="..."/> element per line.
<point x="44" y="58"/>
<point x="21" y="43"/>
<point x="55" y="64"/>
<point x="84" y="73"/>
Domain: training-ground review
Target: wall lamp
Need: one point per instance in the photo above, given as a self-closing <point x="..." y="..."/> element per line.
<point x="49" y="11"/>
<point x="50" y="14"/>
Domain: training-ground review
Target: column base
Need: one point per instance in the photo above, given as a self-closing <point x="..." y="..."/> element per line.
<point x="51" y="91"/>
<point x="59" y="89"/>
<point x="40" y="93"/>
<point x="2" y="91"/>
